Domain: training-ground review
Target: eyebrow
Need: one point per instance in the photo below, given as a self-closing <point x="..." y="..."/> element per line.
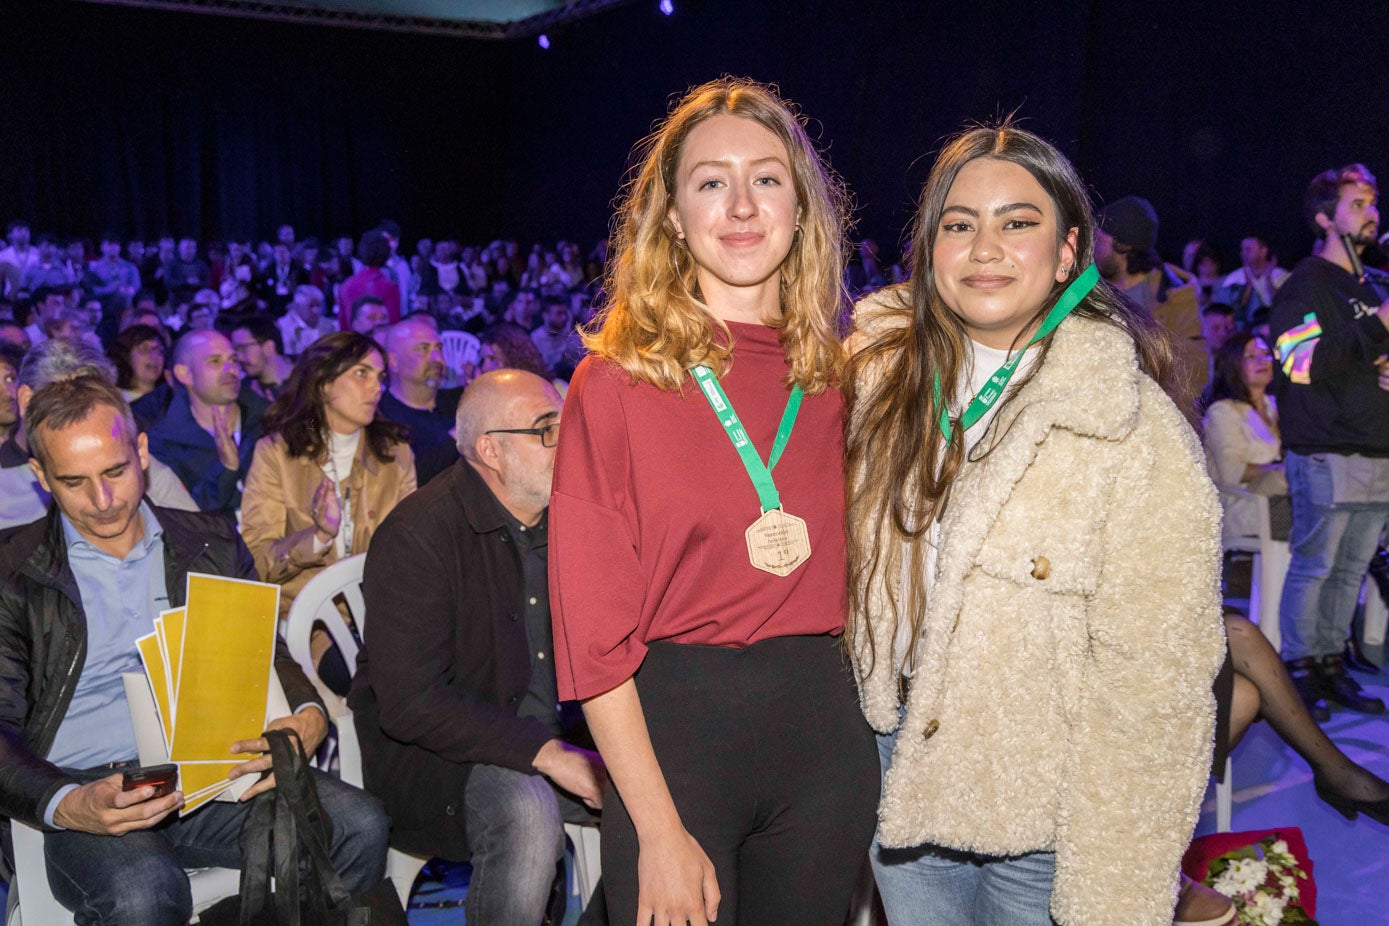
<point x="540" y="418"/>
<point x="65" y="477"/>
<point x="1000" y="210"/>
<point x="772" y="158"/>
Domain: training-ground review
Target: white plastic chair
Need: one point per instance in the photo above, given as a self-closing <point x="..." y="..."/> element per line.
<point x="31" y="902"/>
<point x="460" y="348"/>
<point x="1224" y="798"/>
<point x="1270" y="562"/>
<point x="1376" y="614"/>
<point x="316" y="603"/>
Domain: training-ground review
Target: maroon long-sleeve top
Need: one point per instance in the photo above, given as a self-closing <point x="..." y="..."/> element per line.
<point x="649" y="510"/>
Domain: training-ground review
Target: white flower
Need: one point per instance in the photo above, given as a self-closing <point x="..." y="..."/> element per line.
<point x="1280" y="847"/>
<point x="1266" y="909"/>
<point x="1243" y="875"/>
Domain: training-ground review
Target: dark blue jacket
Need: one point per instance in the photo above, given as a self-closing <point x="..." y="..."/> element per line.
<point x="181" y="443"/>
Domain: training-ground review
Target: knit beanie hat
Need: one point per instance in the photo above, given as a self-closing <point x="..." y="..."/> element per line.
<point x="1131" y="221"/>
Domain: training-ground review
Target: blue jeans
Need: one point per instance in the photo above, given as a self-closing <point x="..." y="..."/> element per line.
<point x="935" y="886"/>
<point x="516" y="834"/>
<point x="1331" y="546"/>
<point x="138" y="879"/>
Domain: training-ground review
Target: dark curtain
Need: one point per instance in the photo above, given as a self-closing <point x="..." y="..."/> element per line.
<point x="141" y="121"/>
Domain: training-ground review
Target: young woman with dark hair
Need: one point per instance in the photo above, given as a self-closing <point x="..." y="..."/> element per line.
<point x="1244" y="448"/>
<point x="329" y="468"/>
<point x="698" y="591"/>
<point x="138" y="353"/>
<point x="1034" y="564"/>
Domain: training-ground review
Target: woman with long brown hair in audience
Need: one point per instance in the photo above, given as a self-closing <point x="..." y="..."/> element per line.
<point x="1034" y="555"/>
<point x="138" y="353"/>
<point x="327" y="472"/>
<point x="697" y="545"/>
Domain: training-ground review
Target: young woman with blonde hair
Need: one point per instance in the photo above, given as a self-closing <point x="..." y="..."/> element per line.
<point x="697" y="548"/>
<point x="1034" y="553"/>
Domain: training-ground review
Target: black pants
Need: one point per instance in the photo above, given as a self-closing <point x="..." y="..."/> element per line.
<point x="773" y="770"/>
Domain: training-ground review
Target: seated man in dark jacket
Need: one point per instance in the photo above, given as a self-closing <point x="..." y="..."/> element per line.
<point x="455" y="694"/>
<point x="210" y="431"/>
<point x="77" y="587"/>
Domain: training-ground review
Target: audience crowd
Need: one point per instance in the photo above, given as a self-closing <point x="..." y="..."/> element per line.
<point x="305" y="388"/>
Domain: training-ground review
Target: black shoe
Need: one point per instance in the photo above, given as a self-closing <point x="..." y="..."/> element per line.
<point x="1338" y="685"/>
<point x="1307" y="681"/>
<point x="1349" y="807"/>
<point x="1356" y="659"/>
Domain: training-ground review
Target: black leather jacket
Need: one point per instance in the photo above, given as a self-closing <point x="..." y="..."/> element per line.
<point x="43" y="640"/>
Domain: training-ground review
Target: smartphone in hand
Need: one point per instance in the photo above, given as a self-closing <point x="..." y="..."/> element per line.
<point x="164" y="778"/>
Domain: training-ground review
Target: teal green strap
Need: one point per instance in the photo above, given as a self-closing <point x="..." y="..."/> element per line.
<point x="993" y="390"/>
<point x="760" y="474"/>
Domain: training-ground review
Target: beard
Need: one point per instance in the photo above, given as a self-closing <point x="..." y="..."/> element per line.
<point x="527" y="484"/>
<point x="1365" y="236"/>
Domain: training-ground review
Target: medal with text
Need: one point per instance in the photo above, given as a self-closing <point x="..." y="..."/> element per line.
<point x="778" y="542"/>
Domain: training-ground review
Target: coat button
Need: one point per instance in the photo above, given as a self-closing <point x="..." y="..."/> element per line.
<point x="506" y="538"/>
<point x="512" y="700"/>
<point x="931" y="727"/>
<point x="514" y="617"/>
<point x="1041" y="567"/>
<point x="451" y="809"/>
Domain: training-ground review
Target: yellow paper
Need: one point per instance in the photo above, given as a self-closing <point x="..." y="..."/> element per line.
<point x="223" y="672"/>
<point x="171" y="624"/>
<point x="201" y="782"/>
<point x="195" y="777"/>
<point x="158" y="671"/>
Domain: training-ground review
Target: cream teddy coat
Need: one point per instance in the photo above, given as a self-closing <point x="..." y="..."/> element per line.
<point x="1061" y="698"/>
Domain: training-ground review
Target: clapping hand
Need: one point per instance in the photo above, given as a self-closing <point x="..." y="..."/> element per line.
<point x="325" y="510"/>
<point x="222" y="437"/>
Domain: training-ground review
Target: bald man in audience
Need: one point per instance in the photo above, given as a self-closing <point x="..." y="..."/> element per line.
<point x="415" y="357"/>
<point x="455" y="697"/>
<point x="210" y="431"/>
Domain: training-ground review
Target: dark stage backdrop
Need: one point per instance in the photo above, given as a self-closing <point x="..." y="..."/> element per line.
<point x="139" y="121"/>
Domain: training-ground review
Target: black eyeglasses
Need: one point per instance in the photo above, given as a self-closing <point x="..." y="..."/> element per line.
<point x="548" y="434"/>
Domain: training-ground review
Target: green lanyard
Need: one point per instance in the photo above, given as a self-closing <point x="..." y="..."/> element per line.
<point x="760" y="474"/>
<point x="993" y="390"/>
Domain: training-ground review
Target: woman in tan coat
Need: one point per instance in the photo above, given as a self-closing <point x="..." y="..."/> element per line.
<point x="1034" y="552"/>
<point x="328" y="471"/>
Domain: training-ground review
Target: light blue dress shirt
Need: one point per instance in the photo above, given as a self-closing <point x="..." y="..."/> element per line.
<point x="120" y="598"/>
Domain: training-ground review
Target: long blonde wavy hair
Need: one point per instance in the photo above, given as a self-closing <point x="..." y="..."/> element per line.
<point x="900" y="466"/>
<point x="654" y="323"/>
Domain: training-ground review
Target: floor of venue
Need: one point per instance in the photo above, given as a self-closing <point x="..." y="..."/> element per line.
<point x="1272" y="787"/>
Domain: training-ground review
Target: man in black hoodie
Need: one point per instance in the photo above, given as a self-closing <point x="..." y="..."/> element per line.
<point x="1330" y="325"/>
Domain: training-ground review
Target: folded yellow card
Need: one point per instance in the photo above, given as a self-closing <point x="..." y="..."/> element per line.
<point x="223" y="671"/>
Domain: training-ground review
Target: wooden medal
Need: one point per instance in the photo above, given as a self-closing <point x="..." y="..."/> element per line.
<point x="778" y="542"/>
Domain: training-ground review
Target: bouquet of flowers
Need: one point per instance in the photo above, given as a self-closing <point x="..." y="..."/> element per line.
<point x="1262" y="880"/>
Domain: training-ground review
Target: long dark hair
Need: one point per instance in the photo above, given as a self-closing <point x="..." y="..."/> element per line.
<point x="297" y="414"/>
<point x="518" y="350"/>
<point x="125" y="345"/>
<point x="900" y="465"/>
<point x="1229" y="369"/>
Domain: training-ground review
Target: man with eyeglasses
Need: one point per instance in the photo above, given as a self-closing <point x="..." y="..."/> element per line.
<point x="212" y="425"/>
<point x="455" y="697"/>
<point x="303" y="322"/>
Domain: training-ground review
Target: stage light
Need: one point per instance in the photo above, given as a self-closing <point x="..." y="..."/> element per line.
<point x="544" y="40"/>
<point x="667" y="7"/>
